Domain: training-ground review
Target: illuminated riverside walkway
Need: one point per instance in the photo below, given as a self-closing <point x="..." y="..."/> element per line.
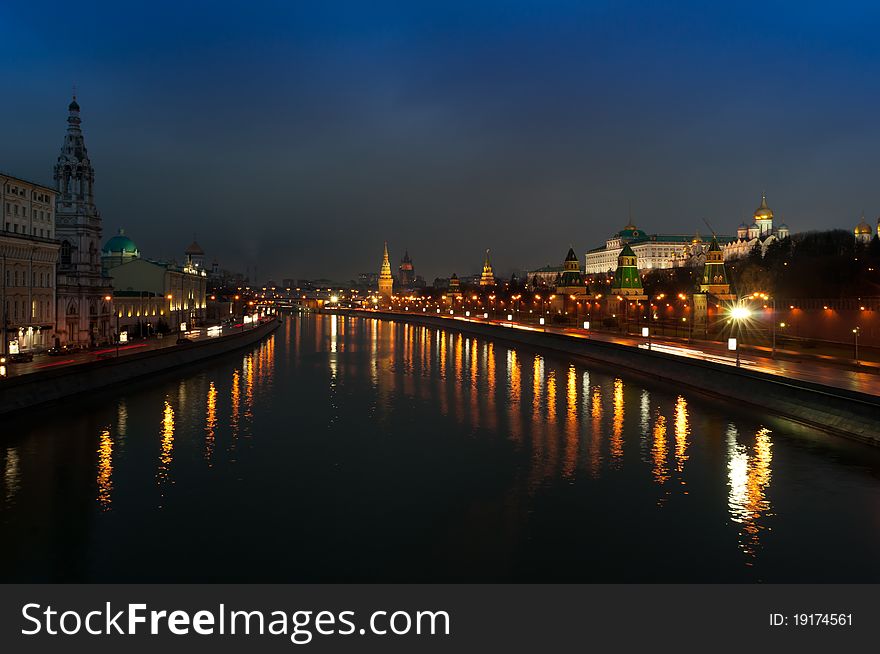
<point x="359" y="448"/>
<point x="45" y="362"/>
<point x="865" y="381"/>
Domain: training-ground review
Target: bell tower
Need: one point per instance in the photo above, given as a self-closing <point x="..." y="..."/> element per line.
<point x="83" y="312"/>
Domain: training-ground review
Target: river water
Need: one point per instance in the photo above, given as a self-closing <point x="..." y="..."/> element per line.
<point x="356" y="449"/>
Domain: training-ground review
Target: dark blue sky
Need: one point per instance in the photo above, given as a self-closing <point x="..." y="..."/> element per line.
<point x="297" y="136"/>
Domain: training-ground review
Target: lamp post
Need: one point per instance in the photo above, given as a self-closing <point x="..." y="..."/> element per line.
<point x="731" y="345"/>
<point x="737" y="314"/>
<point x="108" y="299"/>
<point x="766" y="297"/>
<point x="856" y="343"/>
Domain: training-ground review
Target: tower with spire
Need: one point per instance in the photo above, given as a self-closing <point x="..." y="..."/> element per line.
<point x="83" y="313"/>
<point x="714" y="278"/>
<point x="764" y="217"/>
<point x="386" y="281"/>
<point x="571" y="282"/>
<point x="487" y="277"/>
<point x="406" y="271"/>
<point x="626" y="277"/>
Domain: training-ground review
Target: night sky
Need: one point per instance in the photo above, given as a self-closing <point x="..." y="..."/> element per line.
<point x="297" y="136"/>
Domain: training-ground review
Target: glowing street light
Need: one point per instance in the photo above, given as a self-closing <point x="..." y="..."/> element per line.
<point x="856" y="341"/>
<point x="740" y="313"/>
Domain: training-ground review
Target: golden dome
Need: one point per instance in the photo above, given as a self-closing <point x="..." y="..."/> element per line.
<point x="696" y="239"/>
<point x="863" y="227"/>
<point x="763" y="212"/>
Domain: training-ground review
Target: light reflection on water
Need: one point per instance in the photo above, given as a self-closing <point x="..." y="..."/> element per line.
<point x="472" y="455"/>
<point x="105" y="470"/>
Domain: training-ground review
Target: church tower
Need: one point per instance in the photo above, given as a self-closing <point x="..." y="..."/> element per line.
<point x="83" y="313"/>
<point x="764" y="217"/>
<point x="487" y="278"/>
<point x="386" y="281"/>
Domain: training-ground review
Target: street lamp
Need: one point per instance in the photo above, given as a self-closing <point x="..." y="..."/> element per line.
<point x="108" y="299"/>
<point x="765" y="297"/>
<point x="737" y="314"/>
<point x="856" y="343"/>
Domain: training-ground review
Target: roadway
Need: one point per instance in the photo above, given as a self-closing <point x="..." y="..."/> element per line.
<point x="834" y="373"/>
<point x="45" y="362"/>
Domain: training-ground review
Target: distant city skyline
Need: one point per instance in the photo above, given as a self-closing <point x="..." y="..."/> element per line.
<point x="296" y="139"/>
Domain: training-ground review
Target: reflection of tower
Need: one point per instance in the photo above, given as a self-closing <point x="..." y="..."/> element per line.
<point x="386" y="281"/>
<point x="487" y="278"/>
<point x="407" y="273"/>
<point x="714" y="273"/>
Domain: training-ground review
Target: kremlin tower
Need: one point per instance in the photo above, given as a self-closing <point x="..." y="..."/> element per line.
<point x="626" y="277"/>
<point x="714" y="279"/>
<point x="386" y="281"/>
<point x="454" y="286"/>
<point x="571" y="282"/>
<point x="406" y="272"/>
<point x="487" y="278"/>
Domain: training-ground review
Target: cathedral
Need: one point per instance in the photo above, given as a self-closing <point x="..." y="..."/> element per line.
<point x="761" y="233"/>
<point x="83" y="313"/>
<point x="863" y="232"/>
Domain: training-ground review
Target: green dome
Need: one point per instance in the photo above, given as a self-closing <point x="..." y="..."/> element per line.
<point x="120" y="243"/>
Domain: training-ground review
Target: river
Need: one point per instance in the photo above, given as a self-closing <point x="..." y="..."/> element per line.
<point x="357" y="449"/>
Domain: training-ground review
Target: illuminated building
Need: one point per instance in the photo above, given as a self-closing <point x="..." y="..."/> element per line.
<point x="82" y="315"/>
<point x="147" y="291"/>
<point x="545" y="276"/>
<point x="28" y="255"/>
<point x="760" y="234"/>
<point x="118" y="250"/>
<point x="863" y="232"/>
<point x="487" y="277"/>
<point x="714" y="278"/>
<point x="571" y="282"/>
<point x="626" y="277"/>
<point x="195" y="257"/>
<point x="386" y="281"/>
<point x="406" y="272"/>
<point x="652" y="250"/>
<point x="454" y="286"/>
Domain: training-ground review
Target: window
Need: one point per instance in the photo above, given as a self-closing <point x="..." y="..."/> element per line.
<point x="65" y="253"/>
